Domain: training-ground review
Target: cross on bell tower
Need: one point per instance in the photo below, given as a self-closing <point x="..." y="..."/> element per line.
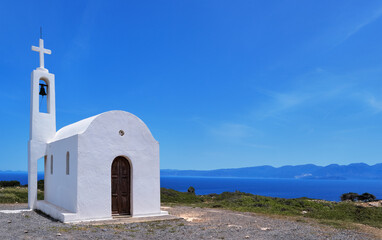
<point x="42" y="51"/>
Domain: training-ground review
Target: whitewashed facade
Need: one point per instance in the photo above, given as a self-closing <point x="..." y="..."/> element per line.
<point x="79" y="182"/>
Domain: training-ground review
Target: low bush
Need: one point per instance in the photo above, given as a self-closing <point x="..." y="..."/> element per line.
<point x="172" y="196"/>
<point x="40" y="185"/>
<point x="8" y="198"/>
<point x="191" y="190"/>
<point x="17" y="195"/>
<point x="9" y="184"/>
<point x="349" y="197"/>
<point x="366" y="197"/>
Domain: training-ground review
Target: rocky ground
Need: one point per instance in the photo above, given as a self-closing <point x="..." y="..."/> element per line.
<point x="197" y="223"/>
<point x="370" y="204"/>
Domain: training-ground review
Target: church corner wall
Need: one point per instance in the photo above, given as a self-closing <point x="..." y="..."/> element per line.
<point x="61" y="189"/>
<point x="93" y="185"/>
<point x="146" y="196"/>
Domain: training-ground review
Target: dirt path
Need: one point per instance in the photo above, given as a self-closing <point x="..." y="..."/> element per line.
<point x="197" y="224"/>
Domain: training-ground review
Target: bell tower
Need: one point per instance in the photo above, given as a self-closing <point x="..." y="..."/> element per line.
<point x="42" y="119"/>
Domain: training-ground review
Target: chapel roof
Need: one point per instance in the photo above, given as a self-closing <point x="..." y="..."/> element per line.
<point x="110" y="118"/>
<point x="74" y="129"/>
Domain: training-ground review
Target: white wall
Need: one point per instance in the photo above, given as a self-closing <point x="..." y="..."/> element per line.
<point x="42" y="125"/>
<point x="61" y="189"/>
<point x="99" y="145"/>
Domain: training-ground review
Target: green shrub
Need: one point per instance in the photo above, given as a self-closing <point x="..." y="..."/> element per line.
<point x="172" y="196"/>
<point x="191" y="190"/>
<point x="366" y="197"/>
<point x="8" y="198"/>
<point x="40" y="185"/>
<point x="349" y="196"/>
<point x="17" y="195"/>
<point x="9" y="183"/>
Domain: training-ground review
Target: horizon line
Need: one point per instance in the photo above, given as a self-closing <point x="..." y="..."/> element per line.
<point x="238" y="167"/>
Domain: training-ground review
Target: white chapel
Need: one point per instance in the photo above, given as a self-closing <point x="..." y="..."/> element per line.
<point x="94" y="169"/>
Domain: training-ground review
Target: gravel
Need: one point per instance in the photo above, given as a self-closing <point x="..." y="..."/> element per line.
<point x="197" y="224"/>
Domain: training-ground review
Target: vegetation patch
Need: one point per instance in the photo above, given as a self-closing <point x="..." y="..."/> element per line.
<point x="9" y="184"/>
<point x="17" y="195"/>
<point x="338" y="214"/>
<point x="172" y="196"/>
<point x="354" y="197"/>
<point x="332" y="213"/>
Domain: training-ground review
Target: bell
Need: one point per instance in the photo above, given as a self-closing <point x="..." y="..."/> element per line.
<point x="42" y="90"/>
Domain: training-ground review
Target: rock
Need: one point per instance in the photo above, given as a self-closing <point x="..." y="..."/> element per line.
<point x="9" y="221"/>
<point x="374" y="204"/>
<point x="26" y="231"/>
<point x="304" y="212"/>
<point x="58" y="234"/>
<point x="265" y="229"/>
<point x="235" y="226"/>
<point x="247" y="237"/>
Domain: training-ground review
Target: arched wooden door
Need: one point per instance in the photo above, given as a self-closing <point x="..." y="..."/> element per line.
<point x="120" y="186"/>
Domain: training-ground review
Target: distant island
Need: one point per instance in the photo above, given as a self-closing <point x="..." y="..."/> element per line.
<point x="307" y="171"/>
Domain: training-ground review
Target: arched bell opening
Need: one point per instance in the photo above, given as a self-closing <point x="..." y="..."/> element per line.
<point x="43" y="96"/>
<point x="121" y="186"/>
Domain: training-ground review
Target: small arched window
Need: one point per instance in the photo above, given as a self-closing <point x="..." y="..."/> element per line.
<point x="67" y="163"/>
<point x="51" y="164"/>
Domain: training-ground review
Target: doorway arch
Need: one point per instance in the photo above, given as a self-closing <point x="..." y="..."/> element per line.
<point x="120" y="186"/>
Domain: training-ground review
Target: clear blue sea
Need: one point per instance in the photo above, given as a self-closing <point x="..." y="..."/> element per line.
<point x="22" y="177"/>
<point x="285" y="188"/>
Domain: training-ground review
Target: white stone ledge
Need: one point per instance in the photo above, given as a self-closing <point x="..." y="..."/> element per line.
<point x="162" y="213"/>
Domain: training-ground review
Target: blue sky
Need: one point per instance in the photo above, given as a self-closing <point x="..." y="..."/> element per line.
<point x="220" y="84"/>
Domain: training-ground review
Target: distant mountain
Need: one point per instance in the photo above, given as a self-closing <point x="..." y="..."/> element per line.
<point x="308" y="171"/>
